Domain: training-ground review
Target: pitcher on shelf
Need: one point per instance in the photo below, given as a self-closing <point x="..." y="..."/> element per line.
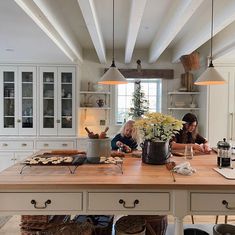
<point x="100" y="102"/>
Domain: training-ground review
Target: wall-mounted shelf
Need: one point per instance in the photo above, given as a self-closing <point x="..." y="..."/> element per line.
<point x="184" y="99"/>
<point x="102" y="108"/>
<point x="96" y="92"/>
<point x="183" y="93"/>
<point x="185" y="108"/>
<point x="90" y="97"/>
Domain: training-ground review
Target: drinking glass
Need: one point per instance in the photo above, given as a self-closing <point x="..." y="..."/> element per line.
<point x="188" y="152"/>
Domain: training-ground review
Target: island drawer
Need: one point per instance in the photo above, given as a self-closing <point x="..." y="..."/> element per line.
<point x="129" y="201"/>
<point x="206" y="202"/>
<point x="40" y="202"/>
<point x="16" y="145"/>
<point x="55" y="145"/>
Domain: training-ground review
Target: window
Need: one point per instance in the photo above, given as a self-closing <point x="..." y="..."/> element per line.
<point x="153" y="93"/>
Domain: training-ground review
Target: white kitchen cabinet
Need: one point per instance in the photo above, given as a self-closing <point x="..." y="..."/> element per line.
<point x="82" y="144"/>
<point x="55" y="144"/>
<point x="57" y="101"/>
<point x="10" y="158"/>
<point x="6" y="160"/>
<point x="221" y="108"/>
<point x="18" y="100"/>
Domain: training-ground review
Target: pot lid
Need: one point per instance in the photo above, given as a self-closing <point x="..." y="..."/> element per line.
<point x="223" y="144"/>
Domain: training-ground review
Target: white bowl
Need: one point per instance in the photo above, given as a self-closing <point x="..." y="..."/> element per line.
<point x="192" y="105"/>
<point x="179" y="104"/>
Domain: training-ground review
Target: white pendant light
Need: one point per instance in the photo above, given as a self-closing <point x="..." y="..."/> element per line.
<point x="113" y="75"/>
<point x="210" y="76"/>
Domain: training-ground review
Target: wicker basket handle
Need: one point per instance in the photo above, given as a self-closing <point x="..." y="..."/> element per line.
<point x="149" y="227"/>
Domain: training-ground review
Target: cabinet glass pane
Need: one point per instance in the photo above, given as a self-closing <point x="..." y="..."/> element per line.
<point x="48" y="100"/>
<point x="66" y="100"/>
<point x="27" y="100"/>
<point x="9" y="99"/>
<point x="66" y="77"/>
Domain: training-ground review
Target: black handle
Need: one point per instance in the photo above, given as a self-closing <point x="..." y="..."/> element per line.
<point x="224" y="202"/>
<point x="47" y="202"/>
<point x="121" y="201"/>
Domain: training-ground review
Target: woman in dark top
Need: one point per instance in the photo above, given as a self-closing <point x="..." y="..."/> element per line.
<point x="189" y="136"/>
<point x="126" y="139"/>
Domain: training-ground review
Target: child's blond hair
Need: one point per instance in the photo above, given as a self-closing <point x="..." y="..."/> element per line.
<point x="130" y="123"/>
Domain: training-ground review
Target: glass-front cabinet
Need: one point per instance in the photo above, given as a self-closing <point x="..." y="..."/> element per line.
<point x="57" y="102"/>
<point x="18" y="100"/>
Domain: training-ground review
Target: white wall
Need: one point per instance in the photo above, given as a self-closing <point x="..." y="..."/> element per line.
<point x="92" y="70"/>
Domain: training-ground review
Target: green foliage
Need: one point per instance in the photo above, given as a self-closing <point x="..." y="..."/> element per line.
<point x="139" y="102"/>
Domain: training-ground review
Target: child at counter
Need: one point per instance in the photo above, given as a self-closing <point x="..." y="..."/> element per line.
<point x="126" y="140"/>
<point x="190" y="136"/>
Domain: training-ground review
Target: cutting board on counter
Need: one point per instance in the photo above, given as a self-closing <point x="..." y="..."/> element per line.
<point x="228" y="173"/>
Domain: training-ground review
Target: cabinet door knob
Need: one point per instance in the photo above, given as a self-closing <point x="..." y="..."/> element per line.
<point x="4" y="144"/>
<point x="58" y="121"/>
<point x="46" y="145"/>
<point x="47" y="202"/>
<point x="18" y="120"/>
<point x="23" y="145"/>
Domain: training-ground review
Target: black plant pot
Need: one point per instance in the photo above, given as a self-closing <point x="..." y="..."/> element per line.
<point x="155" y="152"/>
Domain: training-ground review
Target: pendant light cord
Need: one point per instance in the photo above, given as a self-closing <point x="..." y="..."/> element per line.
<point x="113" y="63"/>
<point x="212" y="25"/>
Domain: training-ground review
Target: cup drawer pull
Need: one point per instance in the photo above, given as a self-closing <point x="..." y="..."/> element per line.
<point x="47" y="202"/>
<point x="121" y="201"/>
<point x="24" y="145"/>
<point x="46" y="145"/>
<point x="5" y="145"/>
<point x="64" y="145"/>
<point x="224" y="202"/>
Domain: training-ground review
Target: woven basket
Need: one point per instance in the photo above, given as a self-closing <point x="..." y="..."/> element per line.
<point x="191" y="61"/>
<point x="40" y="225"/>
<point x="102" y="224"/>
<point x="84" y="228"/>
<point x="131" y="224"/>
<point x="35" y="218"/>
<point x="156" y="224"/>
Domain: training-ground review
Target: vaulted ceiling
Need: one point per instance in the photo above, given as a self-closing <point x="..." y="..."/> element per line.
<point x="69" y="27"/>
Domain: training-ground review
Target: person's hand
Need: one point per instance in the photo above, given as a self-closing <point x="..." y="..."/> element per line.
<point x="119" y="144"/>
<point x="207" y="148"/>
<point x="127" y="149"/>
<point x="198" y="147"/>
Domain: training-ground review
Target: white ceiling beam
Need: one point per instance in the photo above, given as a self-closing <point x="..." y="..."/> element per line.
<point x="224" y="41"/>
<point x="137" y="11"/>
<point x="176" y="18"/>
<point x="41" y="20"/>
<point x="224" y="14"/>
<point x="60" y="27"/>
<point x="89" y="14"/>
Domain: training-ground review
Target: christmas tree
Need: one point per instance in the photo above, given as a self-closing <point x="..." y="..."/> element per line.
<point x="140" y="103"/>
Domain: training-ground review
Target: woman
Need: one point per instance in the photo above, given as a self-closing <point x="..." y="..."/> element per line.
<point x="126" y="139"/>
<point x="189" y="136"/>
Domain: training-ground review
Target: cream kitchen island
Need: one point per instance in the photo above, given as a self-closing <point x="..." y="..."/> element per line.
<point x="103" y="189"/>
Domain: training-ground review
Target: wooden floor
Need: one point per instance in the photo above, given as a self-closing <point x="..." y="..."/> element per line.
<point x="12" y="226"/>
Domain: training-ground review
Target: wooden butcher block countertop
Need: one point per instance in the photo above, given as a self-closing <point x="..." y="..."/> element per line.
<point x="136" y="175"/>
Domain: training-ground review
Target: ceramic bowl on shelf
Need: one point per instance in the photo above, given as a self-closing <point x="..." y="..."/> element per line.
<point x="192" y="105"/>
<point x="179" y="104"/>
